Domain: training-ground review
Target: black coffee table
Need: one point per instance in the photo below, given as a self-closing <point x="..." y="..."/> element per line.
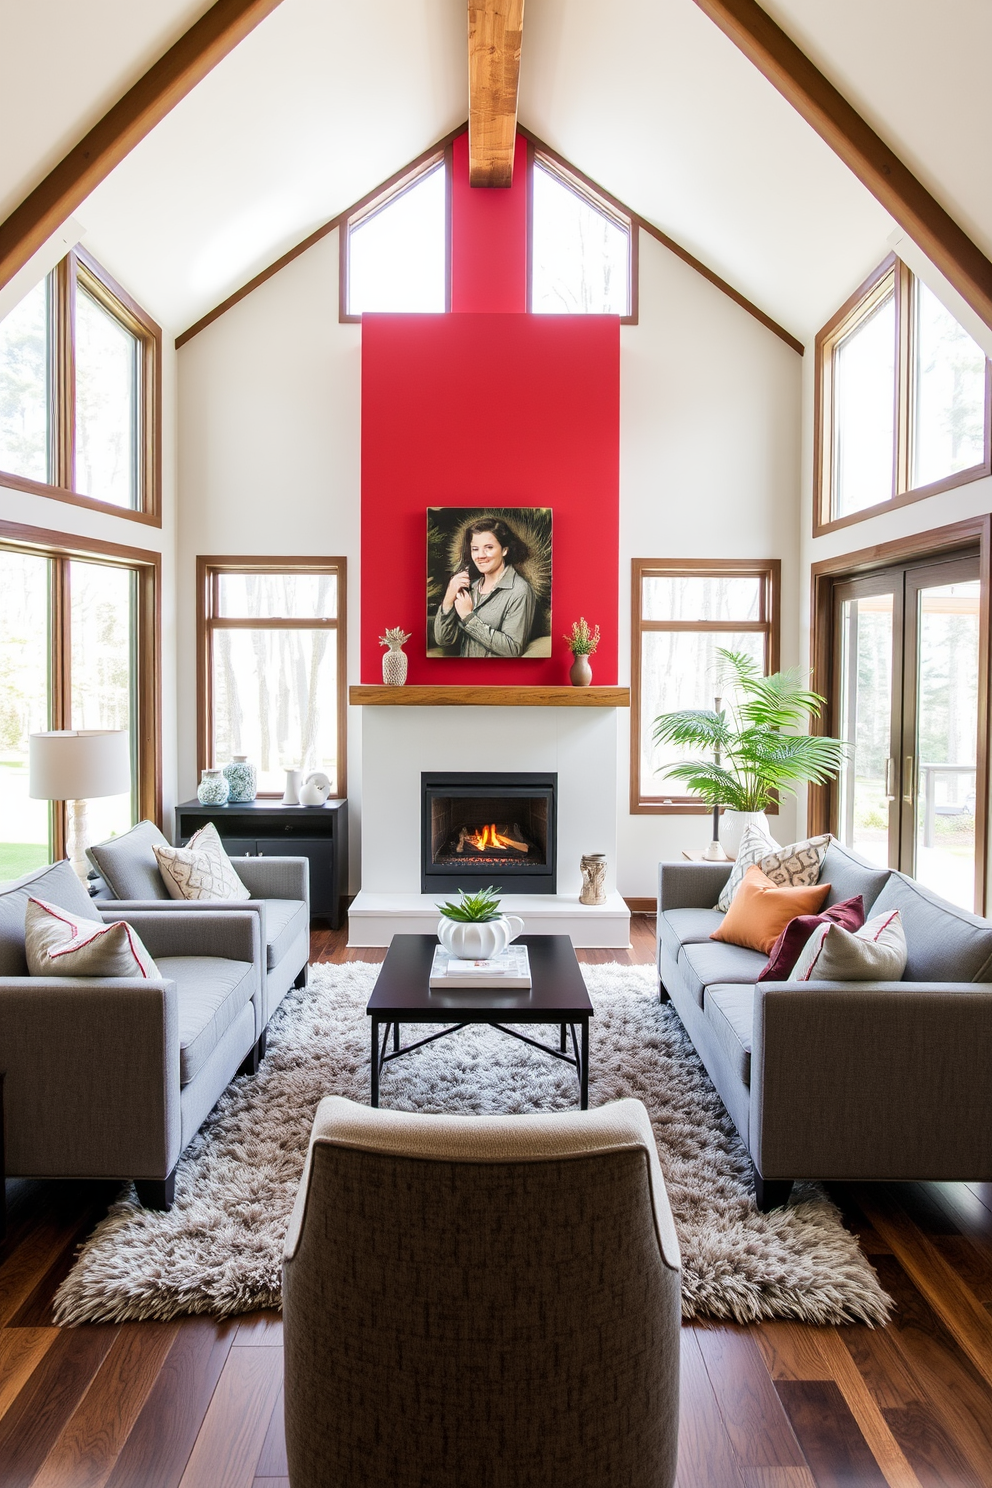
<point x="402" y="994"/>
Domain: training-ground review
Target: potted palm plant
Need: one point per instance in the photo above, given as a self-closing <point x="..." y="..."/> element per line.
<point x="758" y="749"/>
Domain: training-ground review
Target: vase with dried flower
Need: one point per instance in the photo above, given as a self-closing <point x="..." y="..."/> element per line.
<point x="583" y="640"/>
<point x="395" y="661"/>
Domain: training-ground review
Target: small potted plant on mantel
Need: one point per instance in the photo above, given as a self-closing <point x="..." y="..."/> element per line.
<point x="395" y="661"/>
<point x="754" y="761"/>
<point x="583" y="642"/>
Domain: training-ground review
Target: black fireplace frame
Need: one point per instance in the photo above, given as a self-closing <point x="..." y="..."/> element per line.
<point x="522" y="878"/>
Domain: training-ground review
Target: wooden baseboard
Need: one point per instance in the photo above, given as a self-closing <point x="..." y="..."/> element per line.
<point x="641" y="906"/>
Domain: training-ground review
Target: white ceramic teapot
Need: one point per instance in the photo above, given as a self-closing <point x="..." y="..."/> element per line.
<point x="316" y="789"/>
<point x="478" y="940"/>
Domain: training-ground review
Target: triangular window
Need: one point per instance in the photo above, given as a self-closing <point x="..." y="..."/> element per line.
<point x="396" y="248"/>
<point x="581" y="248"/>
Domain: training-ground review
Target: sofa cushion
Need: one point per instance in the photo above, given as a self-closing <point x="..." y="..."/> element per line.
<point x="127" y="863"/>
<point x="784" y="954"/>
<point x="201" y="869"/>
<point x="944" y="943"/>
<point x="730" y="1009"/>
<point x="755" y="844"/>
<point x="285" y="919"/>
<point x="58" y="943"/>
<point x="761" y="910"/>
<point x="210" y="993"/>
<point x="679" y="927"/>
<point x="58" y="885"/>
<point x="847" y="875"/>
<point x="713" y="961"/>
<point x="875" y="953"/>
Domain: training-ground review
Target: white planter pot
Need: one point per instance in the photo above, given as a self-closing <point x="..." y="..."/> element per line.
<point x="732" y="824"/>
<point x="478" y="940"/>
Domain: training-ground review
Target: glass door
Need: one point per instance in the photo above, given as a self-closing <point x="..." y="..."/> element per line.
<point x="906" y="698"/>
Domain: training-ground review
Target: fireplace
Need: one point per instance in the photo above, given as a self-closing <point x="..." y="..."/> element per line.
<point x="496" y="828"/>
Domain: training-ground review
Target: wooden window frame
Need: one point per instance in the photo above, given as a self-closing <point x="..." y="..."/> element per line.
<point x="78" y="268"/>
<point x="770" y="571"/>
<point x="60" y="548"/>
<point x="601" y="200"/>
<point x="891" y="273"/>
<point x="208" y="571"/>
<point x="377" y="201"/>
<point x="938" y="543"/>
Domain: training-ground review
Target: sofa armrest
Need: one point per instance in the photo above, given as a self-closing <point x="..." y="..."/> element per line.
<point x="272" y="877"/>
<point x="201" y="931"/>
<point x="690" y="885"/>
<point x="91" y="1069"/>
<point x="872" y="1080"/>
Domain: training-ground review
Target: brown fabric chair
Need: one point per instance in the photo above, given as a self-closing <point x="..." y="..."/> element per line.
<point x="481" y="1302"/>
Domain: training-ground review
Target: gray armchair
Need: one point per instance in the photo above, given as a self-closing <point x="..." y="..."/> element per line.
<point x="481" y="1299"/>
<point x="110" y="1078"/>
<point x="280" y="890"/>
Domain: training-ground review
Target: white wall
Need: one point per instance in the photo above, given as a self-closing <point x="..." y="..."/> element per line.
<point x="269" y="463"/>
<point x="269" y="419"/>
<point x="709" y="468"/>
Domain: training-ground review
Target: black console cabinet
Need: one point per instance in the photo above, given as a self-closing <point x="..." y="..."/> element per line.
<point x="270" y="829"/>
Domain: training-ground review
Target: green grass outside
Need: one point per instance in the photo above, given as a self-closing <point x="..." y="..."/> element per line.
<point x="17" y="858"/>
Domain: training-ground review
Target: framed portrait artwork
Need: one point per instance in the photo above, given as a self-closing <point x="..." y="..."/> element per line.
<point x="489" y="581"/>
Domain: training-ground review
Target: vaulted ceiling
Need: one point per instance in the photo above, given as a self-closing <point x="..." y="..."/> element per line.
<point x="327" y="97"/>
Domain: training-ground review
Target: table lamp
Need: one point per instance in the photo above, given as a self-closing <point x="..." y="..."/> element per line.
<point x="76" y="765"/>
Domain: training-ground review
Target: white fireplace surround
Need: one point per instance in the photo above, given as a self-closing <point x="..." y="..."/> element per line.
<point x="398" y="745"/>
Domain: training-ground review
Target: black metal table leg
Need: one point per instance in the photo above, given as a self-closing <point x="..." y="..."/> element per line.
<point x="396" y="1038"/>
<point x="375" y="1060"/>
<point x="564" y="1040"/>
<point x="584" y="1071"/>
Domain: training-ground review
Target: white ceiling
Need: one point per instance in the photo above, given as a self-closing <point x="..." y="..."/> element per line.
<point x="326" y="98"/>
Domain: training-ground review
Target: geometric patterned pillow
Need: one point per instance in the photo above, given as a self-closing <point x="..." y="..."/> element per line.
<point x="201" y="869"/>
<point x="797" y="865"/>
<point x="755" y="847"/>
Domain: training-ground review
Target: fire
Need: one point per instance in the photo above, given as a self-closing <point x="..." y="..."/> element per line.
<point x="488" y="837"/>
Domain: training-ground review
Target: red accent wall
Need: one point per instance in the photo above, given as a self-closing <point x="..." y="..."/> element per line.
<point x="488" y="237"/>
<point x="508" y="410"/>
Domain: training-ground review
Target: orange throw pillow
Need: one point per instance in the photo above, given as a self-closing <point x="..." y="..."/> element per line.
<point x="760" y="910"/>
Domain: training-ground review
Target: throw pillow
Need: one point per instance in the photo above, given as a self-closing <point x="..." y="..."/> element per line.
<point x="849" y="913"/>
<point x="201" y="869"/>
<point x="875" y="953"/>
<point x="761" y="910"/>
<point x="58" y="943"/>
<point x="755" y="845"/>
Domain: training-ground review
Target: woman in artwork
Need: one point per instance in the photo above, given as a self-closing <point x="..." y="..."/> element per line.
<point x="488" y="607"/>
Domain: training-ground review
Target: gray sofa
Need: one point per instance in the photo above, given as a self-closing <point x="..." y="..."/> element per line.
<point x="111" y="1077"/>
<point x="835" y="1080"/>
<point x="280" y="890"/>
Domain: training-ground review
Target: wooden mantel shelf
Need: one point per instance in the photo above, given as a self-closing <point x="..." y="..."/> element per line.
<point x="489" y="697"/>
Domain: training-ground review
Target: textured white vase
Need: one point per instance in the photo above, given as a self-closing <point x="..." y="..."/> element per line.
<point x="478" y="940"/>
<point x="732" y="825"/>
<point x="394" y="667"/>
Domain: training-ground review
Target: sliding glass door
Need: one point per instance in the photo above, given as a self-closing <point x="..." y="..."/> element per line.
<point x="906" y="698"/>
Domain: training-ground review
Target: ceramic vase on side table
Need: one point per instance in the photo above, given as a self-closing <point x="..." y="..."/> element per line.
<point x="242" y="779"/>
<point x="213" y="789"/>
<point x="732" y="824"/>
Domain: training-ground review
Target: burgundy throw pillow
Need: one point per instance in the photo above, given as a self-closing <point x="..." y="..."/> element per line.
<point x="849" y="914"/>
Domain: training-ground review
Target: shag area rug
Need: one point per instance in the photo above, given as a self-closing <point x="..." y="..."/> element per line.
<point x="219" y="1250"/>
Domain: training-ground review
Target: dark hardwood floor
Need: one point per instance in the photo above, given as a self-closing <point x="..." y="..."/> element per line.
<point x="198" y="1404"/>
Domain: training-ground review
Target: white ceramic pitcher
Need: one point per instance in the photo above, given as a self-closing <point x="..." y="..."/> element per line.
<point x="478" y="940"/>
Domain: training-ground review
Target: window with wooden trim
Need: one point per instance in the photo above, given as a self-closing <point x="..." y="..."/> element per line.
<point x="272" y="666"/>
<point x="394" y="246"/>
<point x="902" y="401"/>
<point x="80" y="397"/>
<point x="683" y="612"/>
<point x="79" y="648"/>
<point x="583" y="246"/>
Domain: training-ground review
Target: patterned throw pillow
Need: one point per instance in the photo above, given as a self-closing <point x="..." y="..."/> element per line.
<point x="58" y="943"/>
<point x="876" y="953"/>
<point x="755" y="845"/>
<point x="201" y="869"/>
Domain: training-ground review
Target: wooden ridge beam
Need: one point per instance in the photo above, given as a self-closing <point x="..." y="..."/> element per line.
<point x="874" y="163"/>
<point x="133" y="116"/>
<point x="495" y="31"/>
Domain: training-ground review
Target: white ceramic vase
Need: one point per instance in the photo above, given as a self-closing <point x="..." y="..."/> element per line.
<point x="478" y="940"/>
<point x="291" y="795"/>
<point x="732" y="825"/>
<point x="315" y="789"/>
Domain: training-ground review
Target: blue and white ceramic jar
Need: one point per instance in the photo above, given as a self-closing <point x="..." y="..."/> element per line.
<point x="213" y="789"/>
<point x="242" y="778"/>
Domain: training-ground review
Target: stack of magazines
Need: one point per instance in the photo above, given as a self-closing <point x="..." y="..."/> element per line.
<point x="511" y="969"/>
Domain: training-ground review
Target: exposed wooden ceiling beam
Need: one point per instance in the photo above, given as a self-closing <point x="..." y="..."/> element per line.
<point x="495" y="30"/>
<point x="892" y="183"/>
<point x="167" y="81"/>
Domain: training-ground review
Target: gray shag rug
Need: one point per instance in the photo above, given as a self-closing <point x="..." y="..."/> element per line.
<point x="219" y="1250"/>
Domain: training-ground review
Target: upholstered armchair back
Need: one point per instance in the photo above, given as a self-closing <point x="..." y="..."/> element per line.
<point x="482" y="1300"/>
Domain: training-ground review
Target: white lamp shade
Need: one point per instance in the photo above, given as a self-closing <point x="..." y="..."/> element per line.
<point x="79" y="764"/>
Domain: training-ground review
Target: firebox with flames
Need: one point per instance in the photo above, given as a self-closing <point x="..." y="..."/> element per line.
<point x="488" y="839"/>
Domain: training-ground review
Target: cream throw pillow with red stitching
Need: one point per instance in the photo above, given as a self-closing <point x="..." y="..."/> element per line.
<point x="875" y="953"/>
<point x="58" y="943"/>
